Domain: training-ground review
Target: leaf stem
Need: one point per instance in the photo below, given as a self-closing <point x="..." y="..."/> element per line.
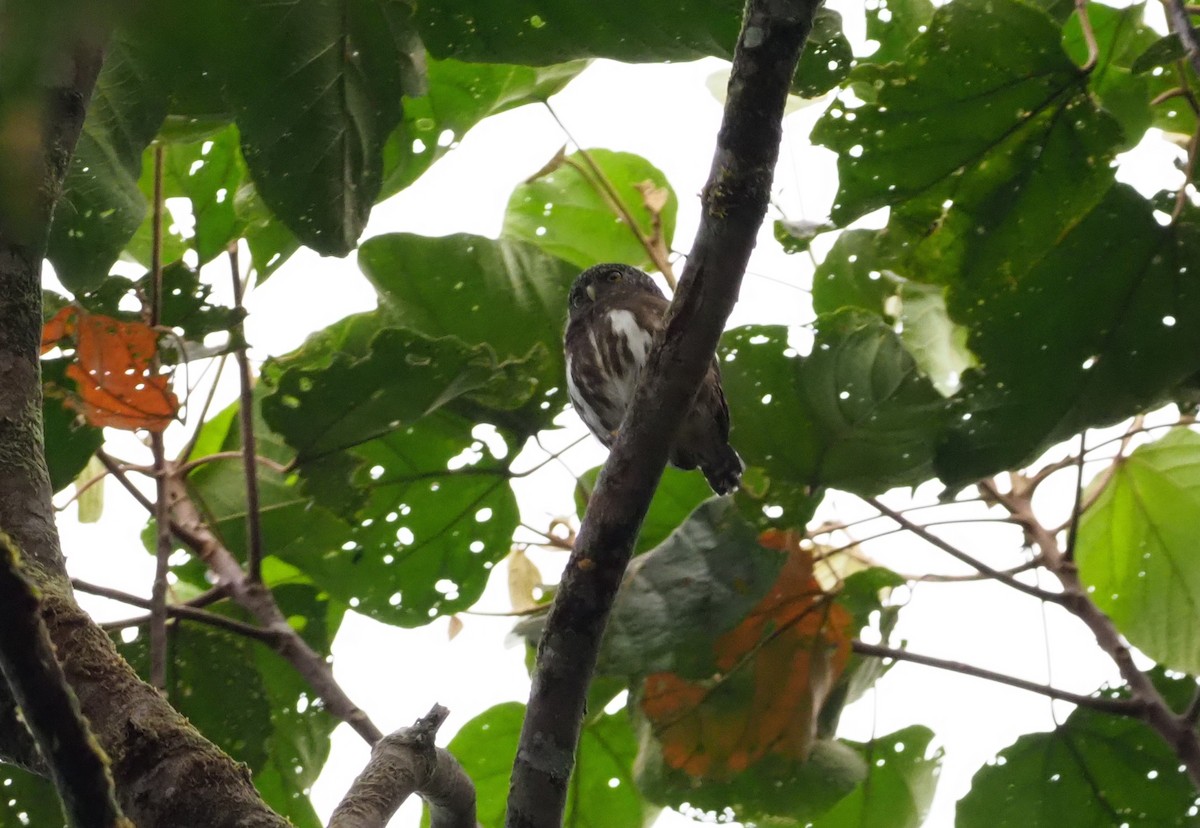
<point x="246" y="418"/>
<point x="1089" y="36"/>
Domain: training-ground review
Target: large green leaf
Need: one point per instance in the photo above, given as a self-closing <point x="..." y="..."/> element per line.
<point x="540" y="33"/>
<point x="856" y="414"/>
<point x="101" y="206"/>
<point x="699" y="583"/>
<point x="984" y="141"/>
<point x="506" y="294"/>
<point x="28" y="800"/>
<point x="1136" y="549"/>
<point x="899" y="787"/>
<point x="70" y="443"/>
<point x="894" y="24"/>
<point x="1095" y="769"/>
<point x="316" y="90"/>
<point x="486" y="746"/>
<point x="206" y="667"/>
<point x="1104" y="325"/>
<point x="569" y="211"/>
<point x="458" y="96"/>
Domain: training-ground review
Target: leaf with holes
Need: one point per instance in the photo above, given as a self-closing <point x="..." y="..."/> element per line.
<point x="1135" y="549"/>
<point x="773" y="671"/>
<point x="1098" y="768"/>
<point x="540" y="33"/>
<point x="984" y="141"/>
<point x="1133" y="335"/>
<point x="116" y="381"/>
<point x="102" y="205"/>
<point x="316" y="89"/>
<point x="698" y="583"/>
<point x="458" y="96"/>
<point x="486" y="746"/>
<point x="571" y="211"/>
<point x="902" y="777"/>
<point x="859" y="416"/>
<point x="827" y="56"/>
<point x="506" y="294"/>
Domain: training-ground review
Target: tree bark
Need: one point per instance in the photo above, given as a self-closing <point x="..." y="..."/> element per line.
<point x="735" y="203"/>
<point x="156" y="757"/>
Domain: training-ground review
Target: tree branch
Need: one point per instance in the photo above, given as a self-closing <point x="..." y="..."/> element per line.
<point x="734" y="205"/>
<point x="162" y="528"/>
<point x="190" y="527"/>
<point x="76" y="764"/>
<point x="403" y="763"/>
<point x="1124" y="707"/>
<point x="1181" y="25"/>
<point x="246" y="419"/>
<point x="952" y="550"/>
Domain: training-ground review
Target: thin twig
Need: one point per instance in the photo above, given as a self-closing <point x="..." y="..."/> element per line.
<point x="1089" y="36"/>
<point x="1124" y="707"/>
<point x="1076" y="510"/>
<point x="955" y="552"/>
<point x="1192" y="714"/>
<point x="162" y="511"/>
<point x="208" y="401"/>
<point x="186" y="468"/>
<point x="1189" y="173"/>
<point x="80" y="489"/>
<point x="656" y="252"/>
<point x="246" y="416"/>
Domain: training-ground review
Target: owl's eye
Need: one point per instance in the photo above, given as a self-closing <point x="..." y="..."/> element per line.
<point x="613" y="276"/>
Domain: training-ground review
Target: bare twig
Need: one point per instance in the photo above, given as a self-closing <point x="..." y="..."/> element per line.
<point x="158" y="594"/>
<point x="189" y="526"/>
<point x="246" y="417"/>
<point x="656" y="252"/>
<point x="1125" y="707"/>
<point x="1089" y="36"/>
<point x="403" y="763"/>
<point x="952" y="550"/>
<point x="267" y="462"/>
<point x="208" y="401"/>
<point x="734" y="205"/>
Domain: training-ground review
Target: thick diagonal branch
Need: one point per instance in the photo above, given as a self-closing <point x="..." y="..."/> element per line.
<point x="735" y="203"/>
<point x="404" y="763"/>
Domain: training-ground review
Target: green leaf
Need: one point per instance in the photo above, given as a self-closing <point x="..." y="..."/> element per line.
<point x="1162" y="52"/>
<point x="28" y="800"/>
<point x="826" y="59"/>
<point x="487" y="745"/>
<point x="540" y="33"/>
<point x="70" y="443"/>
<point x="678" y="494"/>
<point x="1135" y="549"/>
<point x="208" y="173"/>
<point x="698" y="583"/>
<point x="459" y="95"/>
<point x="938" y="346"/>
<point x="797" y="236"/>
<point x="1132" y="334"/>
<point x="901" y="778"/>
<point x="984" y="141"/>
<point x="316" y="90"/>
<point x="569" y="210"/>
<point x="1120" y="36"/>
<point x="894" y="24"/>
<point x="101" y="206"/>
<point x="857" y="414"/>
<point x="855" y="273"/>
<point x="331" y="406"/>
<point x="207" y="667"/>
<point x="778" y="792"/>
<point x="506" y="294"/>
<point x="1094" y="769"/>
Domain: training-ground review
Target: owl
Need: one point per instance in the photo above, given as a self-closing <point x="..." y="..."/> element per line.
<point x="616" y="311"/>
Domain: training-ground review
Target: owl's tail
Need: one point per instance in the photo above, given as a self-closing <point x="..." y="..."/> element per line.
<point x="723" y="470"/>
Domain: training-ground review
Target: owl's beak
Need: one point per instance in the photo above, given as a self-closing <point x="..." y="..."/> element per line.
<point x="591" y="292"/>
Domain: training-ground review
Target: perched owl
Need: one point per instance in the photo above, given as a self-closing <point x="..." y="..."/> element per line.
<point x="616" y="312"/>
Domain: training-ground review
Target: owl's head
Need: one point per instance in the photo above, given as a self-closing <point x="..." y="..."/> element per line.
<point x="606" y="282"/>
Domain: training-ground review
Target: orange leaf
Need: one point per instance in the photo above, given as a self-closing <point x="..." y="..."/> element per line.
<point x="116" y="379"/>
<point x="774" y="671"/>
<point x="60" y="326"/>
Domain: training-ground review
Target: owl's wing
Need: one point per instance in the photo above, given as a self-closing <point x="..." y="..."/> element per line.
<point x="712" y="382"/>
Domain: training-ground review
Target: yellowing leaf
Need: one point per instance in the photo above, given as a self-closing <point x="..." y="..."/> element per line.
<point x="774" y="671"/>
<point x="523" y="579"/>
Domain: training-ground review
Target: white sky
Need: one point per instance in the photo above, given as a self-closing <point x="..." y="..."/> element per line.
<point x="666" y="114"/>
